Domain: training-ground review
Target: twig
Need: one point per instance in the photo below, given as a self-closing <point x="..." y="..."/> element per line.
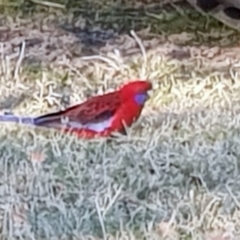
<point x="113" y="200"/>
<point x="3" y="65"/>
<point x="101" y="219"/>
<point x="233" y="196"/>
<point x="19" y="61"/>
<point x="139" y="42"/>
<point x="49" y="4"/>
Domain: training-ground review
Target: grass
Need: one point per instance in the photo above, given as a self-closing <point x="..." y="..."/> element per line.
<point x="176" y="174"/>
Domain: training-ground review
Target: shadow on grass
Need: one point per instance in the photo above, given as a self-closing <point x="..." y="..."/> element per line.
<point x="105" y="22"/>
<point x="96" y="23"/>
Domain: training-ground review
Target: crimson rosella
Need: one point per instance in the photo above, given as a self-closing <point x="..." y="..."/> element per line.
<point x="98" y="116"/>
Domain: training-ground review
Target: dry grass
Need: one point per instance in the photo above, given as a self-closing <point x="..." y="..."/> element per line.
<point x="175" y="176"/>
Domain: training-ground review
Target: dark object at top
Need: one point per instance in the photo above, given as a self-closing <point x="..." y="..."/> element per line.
<point x="232" y="12"/>
<point x="208" y="5"/>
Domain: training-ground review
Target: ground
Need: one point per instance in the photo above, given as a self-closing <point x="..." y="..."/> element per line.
<point x="174" y="176"/>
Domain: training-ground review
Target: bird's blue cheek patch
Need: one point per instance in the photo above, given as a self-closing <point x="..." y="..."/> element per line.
<point x="141" y="98"/>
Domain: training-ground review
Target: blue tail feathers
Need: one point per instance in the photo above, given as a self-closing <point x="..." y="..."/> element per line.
<point x="16" y="119"/>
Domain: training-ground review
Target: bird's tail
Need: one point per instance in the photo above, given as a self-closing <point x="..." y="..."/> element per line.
<point x="16" y="119"/>
<point x="26" y="120"/>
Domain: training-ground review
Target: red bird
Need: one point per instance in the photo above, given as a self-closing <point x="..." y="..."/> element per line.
<point x="99" y="115"/>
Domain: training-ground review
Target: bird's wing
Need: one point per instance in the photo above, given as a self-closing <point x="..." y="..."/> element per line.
<point x="94" y="114"/>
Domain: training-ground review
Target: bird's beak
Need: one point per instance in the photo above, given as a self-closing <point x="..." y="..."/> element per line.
<point x="149" y="93"/>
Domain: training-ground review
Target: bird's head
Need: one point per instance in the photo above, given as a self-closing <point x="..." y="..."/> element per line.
<point x="138" y="90"/>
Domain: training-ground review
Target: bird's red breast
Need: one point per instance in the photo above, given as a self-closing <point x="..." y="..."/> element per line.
<point x="101" y="115"/>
